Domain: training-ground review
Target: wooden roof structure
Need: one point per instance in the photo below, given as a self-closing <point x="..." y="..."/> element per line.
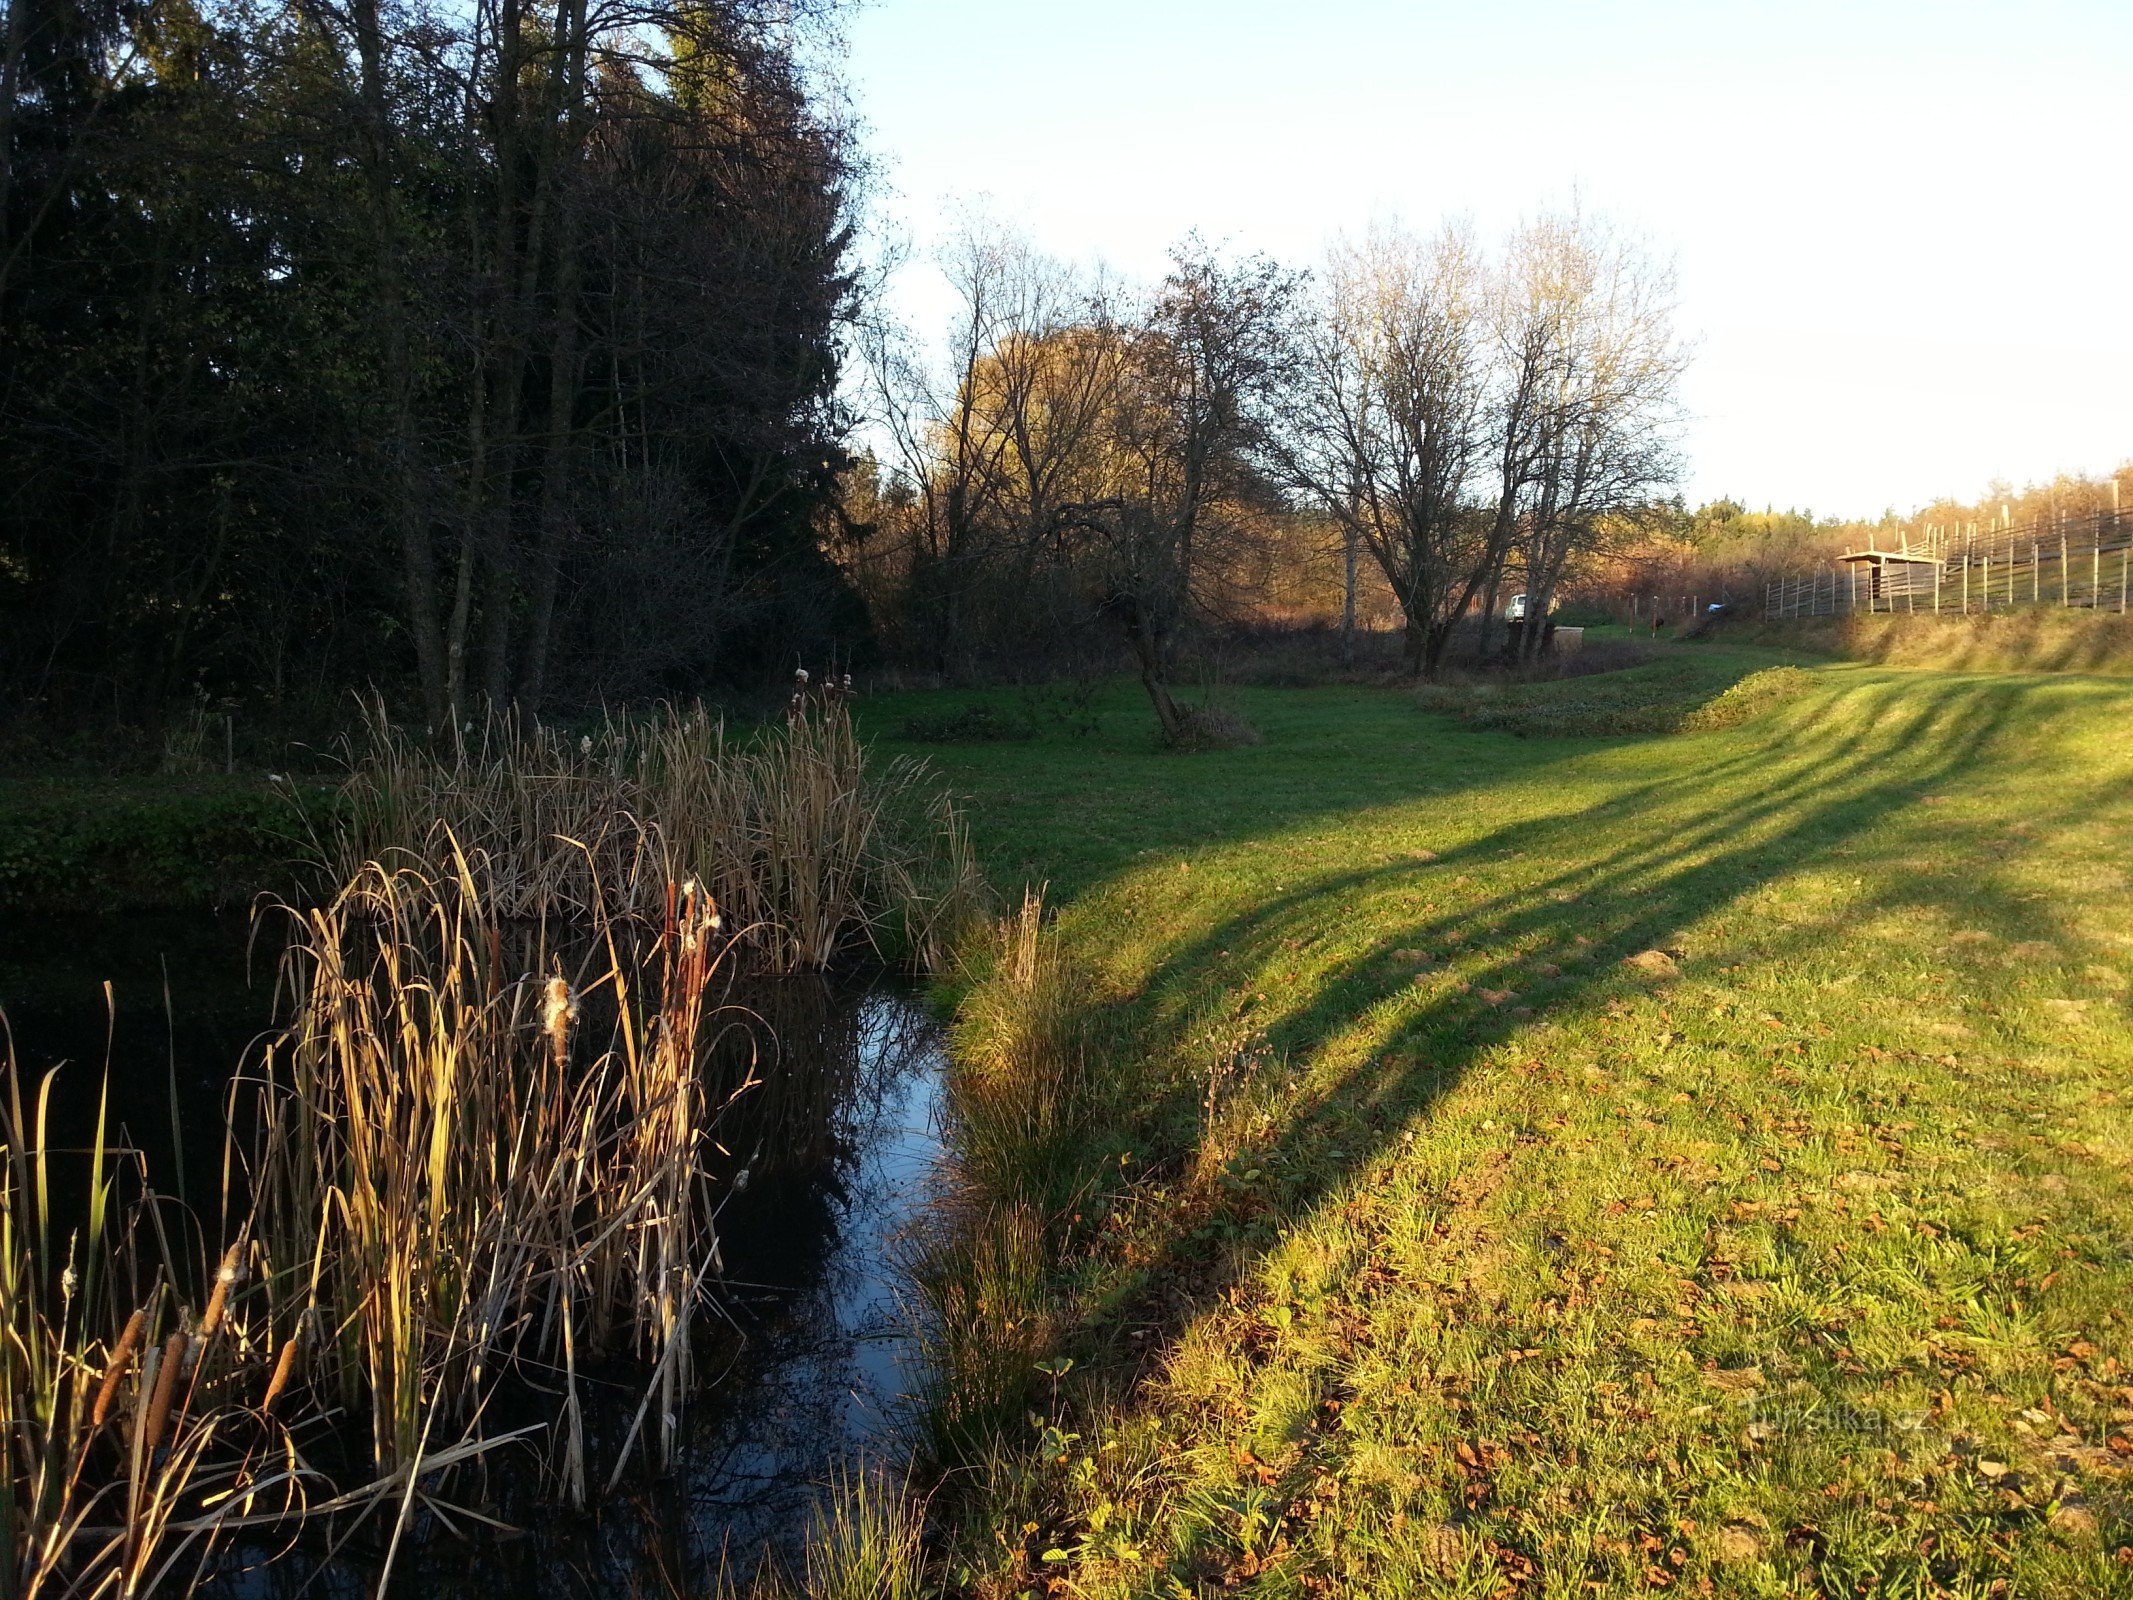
<point x="1882" y="558"/>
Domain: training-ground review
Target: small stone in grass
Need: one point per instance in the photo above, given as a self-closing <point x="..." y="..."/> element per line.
<point x="1656" y="962"/>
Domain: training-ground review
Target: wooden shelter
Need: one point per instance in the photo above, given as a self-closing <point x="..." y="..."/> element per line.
<point x="1880" y="577"/>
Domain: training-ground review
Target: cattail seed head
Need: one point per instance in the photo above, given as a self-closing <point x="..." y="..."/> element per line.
<point x="227" y="1277"/>
<point x="559" y="1009"/>
<point x="285" y="1369"/>
<point x="122" y="1355"/>
<point x="166" y="1387"/>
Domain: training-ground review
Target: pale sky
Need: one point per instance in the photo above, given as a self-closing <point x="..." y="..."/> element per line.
<point x="1904" y="230"/>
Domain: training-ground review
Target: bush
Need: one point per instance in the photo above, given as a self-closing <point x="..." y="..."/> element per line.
<point x="1212" y="728"/>
<point x="978" y="724"/>
<point x="132" y="847"/>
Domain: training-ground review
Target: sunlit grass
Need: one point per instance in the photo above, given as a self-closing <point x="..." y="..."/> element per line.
<point x="1422" y="1243"/>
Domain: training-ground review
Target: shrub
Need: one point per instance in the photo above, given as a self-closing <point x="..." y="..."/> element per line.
<point x="978" y="724"/>
<point x="1212" y="728"/>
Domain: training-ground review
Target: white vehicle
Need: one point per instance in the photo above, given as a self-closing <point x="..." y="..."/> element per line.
<point x="1516" y="610"/>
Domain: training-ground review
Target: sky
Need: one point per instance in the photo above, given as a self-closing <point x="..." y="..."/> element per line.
<point x="1903" y="231"/>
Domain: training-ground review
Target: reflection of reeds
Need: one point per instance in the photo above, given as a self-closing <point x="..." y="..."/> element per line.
<point x="802" y="837"/>
<point x="461" y="1187"/>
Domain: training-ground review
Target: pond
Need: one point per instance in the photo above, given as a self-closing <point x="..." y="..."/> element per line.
<point x="830" y="1171"/>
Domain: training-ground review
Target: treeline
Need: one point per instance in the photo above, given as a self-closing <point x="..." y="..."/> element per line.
<point x="482" y="352"/>
<point x="498" y="356"/>
<point x="1724" y="551"/>
<point x="1092" y="464"/>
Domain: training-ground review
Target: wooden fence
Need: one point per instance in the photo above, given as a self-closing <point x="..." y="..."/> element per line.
<point x="2082" y="562"/>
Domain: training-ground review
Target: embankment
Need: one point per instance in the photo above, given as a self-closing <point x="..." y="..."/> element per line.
<point x="2030" y="639"/>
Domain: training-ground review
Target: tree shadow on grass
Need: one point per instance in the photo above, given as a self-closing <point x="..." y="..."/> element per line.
<point x="1691" y="847"/>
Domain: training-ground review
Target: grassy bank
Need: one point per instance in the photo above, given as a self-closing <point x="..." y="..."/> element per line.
<point x="2037" y="638"/>
<point x="1432" y="1160"/>
<point x="70" y="844"/>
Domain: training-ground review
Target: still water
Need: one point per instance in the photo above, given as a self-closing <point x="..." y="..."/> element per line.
<point x="807" y="1360"/>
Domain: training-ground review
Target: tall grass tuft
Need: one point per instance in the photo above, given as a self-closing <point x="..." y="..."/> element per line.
<point x="131" y="1417"/>
<point x="805" y="839"/>
<point x="864" y="1543"/>
<point x="1022" y="1097"/>
<point x="465" y="1179"/>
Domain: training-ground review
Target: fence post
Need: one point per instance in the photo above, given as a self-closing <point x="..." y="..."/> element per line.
<point x="2096" y="566"/>
<point x="2036" y="576"/>
<point x="1936" y="588"/>
<point x="2064" y="599"/>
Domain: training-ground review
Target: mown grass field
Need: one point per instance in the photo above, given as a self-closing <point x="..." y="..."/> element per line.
<point x="1563" y="1165"/>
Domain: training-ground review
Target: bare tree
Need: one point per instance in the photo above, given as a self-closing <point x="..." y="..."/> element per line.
<point x="1385" y="422"/>
<point x="1599" y="451"/>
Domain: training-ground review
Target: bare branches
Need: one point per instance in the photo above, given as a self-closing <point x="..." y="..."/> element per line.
<point x="1457" y="416"/>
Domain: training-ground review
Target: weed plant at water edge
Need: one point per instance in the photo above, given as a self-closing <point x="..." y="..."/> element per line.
<point x="466" y="1181"/>
<point x="803" y="838"/>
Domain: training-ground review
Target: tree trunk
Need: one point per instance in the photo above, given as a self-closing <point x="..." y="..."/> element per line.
<point x="418" y="560"/>
<point x="559" y="448"/>
<point x="1488" y="613"/>
<point x="1348" y="578"/>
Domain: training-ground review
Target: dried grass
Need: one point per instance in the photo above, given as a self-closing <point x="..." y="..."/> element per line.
<point x="464" y="1181"/>
<point x="804" y="838"/>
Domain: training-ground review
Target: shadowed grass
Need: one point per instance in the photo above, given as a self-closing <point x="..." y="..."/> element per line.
<point x="1412" y="1242"/>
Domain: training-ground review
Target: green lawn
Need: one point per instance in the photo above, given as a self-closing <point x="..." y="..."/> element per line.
<point x="1415" y="1241"/>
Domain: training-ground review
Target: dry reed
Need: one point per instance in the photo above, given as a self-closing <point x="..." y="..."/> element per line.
<point x="123" y="1471"/>
<point x="464" y="1187"/>
<point x="801" y="835"/>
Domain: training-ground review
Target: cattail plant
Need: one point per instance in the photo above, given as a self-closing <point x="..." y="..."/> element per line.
<point x="459" y="1179"/>
<point x="131" y="1447"/>
<point x="805" y="840"/>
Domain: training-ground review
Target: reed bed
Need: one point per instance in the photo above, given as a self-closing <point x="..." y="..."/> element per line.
<point x="806" y="839"/>
<point x="478" y="1170"/>
<point x="473" y="1177"/>
<point x="464" y="1182"/>
<point x="138" y="1422"/>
